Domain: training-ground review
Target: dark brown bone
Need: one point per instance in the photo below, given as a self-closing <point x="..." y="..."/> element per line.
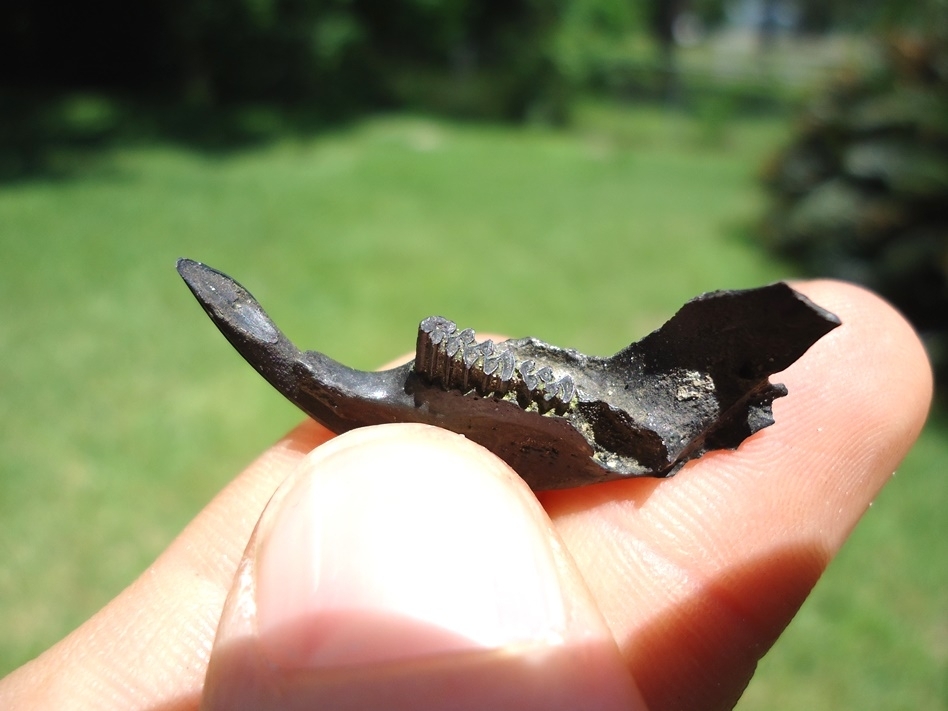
<point x="558" y="417"/>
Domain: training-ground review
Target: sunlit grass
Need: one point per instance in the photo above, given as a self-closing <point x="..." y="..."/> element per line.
<point x="123" y="410"/>
<point x="874" y="634"/>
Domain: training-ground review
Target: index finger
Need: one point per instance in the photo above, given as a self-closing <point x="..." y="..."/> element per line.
<point x="697" y="575"/>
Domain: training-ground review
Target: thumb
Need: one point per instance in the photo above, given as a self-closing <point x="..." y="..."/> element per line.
<point x="404" y="567"/>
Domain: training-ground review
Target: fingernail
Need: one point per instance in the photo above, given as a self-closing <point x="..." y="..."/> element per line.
<point x="401" y="542"/>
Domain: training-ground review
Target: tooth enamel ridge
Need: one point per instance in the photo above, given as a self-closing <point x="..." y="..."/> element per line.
<point x="455" y="360"/>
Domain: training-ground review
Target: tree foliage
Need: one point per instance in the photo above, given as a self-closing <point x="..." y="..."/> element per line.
<point x="341" y="53"/>
<point x="862" y="191"/>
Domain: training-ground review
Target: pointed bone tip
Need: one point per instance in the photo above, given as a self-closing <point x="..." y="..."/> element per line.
<point x="200" y="278"/>
<point x="197" y="274"/>
<point x="207" y="283"/>
<point x="229" y="305"/>
<point x="829" y="319"/>
<point x="187" y="267"/>
<point x="780" y="292"/>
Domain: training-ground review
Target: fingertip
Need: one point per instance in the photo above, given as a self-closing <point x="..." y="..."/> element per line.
<point x="403" y="558"/>
<point x="699" y="573"/>
<point x="873" y="370"/>
<point x="877" y="335"/>
<point x="379" y="530"/>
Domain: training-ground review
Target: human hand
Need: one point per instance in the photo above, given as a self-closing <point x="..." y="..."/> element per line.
<point x="404" y="567"/>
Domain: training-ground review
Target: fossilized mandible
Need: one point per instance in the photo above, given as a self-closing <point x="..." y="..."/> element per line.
<point x="557" y="417"/>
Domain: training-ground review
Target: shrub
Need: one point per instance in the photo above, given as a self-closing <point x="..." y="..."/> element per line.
<point x="861" y="193"/>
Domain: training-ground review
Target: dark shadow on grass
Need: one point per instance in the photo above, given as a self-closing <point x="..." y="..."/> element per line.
<point x="60" y="136"/>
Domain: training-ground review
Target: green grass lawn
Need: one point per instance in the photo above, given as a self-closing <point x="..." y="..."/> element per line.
<point x="123" y="410"/>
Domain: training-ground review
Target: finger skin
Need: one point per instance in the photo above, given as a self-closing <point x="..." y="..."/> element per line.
<point x="698" y="575"/>
<point x="149" y="647"/>
<point x="371" y="582"/>
<point x="695" y="575"/>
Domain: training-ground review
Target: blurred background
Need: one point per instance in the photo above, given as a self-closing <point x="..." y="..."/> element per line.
<point x="569" y="169"/>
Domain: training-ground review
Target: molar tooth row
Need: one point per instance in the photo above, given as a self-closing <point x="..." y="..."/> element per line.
<point x="455" y="360"/>
<point x="543" y="382"/>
